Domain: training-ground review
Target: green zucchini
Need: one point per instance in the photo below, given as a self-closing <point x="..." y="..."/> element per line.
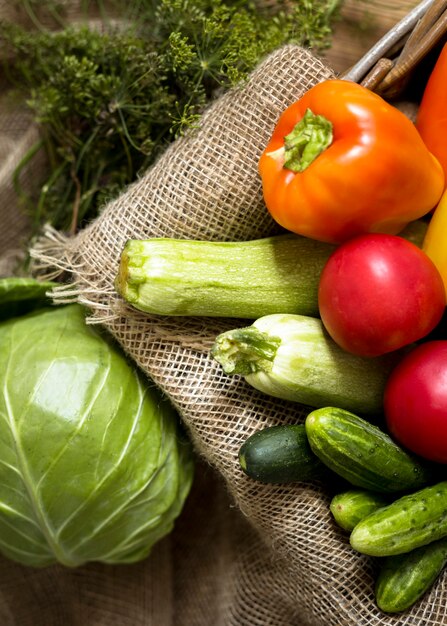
<point x="292" y="357"/>
<point x="279" y="454"/>
<point x="409" y="522"/>
<point x="244" y="279"/>
<point x="350" y="507"/>
<point x="362" y="453"/>
<point x="404" y="578"/>
<point x="240" y="279"/>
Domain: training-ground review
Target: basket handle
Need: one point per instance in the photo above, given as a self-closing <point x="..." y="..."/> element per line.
<point x="416" y="34"/>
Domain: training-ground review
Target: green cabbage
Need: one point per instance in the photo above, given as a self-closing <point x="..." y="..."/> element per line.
<point x="93" y="466"/>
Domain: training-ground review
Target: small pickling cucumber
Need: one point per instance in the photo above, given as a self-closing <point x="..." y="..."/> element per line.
<point x="409" y="522"/>
<point x="279" y="454"/>
<point x="350" y="507"/>
<point x="404" y="578"/>
<point x="363" y="454"/>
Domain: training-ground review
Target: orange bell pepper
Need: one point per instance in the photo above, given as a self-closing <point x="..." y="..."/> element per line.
<point x="431" y="120"/>
<point x="435" y="240"/>
<point x="342" y="161"/>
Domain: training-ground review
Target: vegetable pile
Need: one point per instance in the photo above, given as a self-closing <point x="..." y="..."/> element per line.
<point x="347" y="319"/>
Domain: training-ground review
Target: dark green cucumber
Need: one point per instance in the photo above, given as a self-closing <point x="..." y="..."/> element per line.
<point x="20" y="295"/>
<point x="350" y="507"/>
<point x="279" y="454"/>
<point x="404" y="578"/>
<point x="362" y="453"/>
<point x="412" y="521"/>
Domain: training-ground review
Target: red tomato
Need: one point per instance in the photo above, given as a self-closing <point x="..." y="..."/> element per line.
<point x="415" y="401"/>
<point x="378" y="293"/>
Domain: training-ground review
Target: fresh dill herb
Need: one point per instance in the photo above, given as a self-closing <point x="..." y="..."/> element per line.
<point x="101" y="102"/>
<point x="109" y="100"/>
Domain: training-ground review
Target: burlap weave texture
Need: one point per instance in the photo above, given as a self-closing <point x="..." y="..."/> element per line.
<point x="206" y="186"/>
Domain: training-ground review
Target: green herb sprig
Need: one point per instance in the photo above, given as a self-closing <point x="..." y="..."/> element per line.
<point x="109" y="101"/>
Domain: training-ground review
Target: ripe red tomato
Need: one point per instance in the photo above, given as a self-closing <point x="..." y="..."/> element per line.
<point x="415" y="401"/>
<point x="378" y="293"/>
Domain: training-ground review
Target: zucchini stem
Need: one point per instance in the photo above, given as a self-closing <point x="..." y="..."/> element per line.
<point x="245" y="351"/>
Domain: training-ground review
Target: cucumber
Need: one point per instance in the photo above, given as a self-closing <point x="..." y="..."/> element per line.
<point x="292" y="357"/>
<point x="362" y="453"/>
<point x="20" y="295"/>
<point x="240" y="279"/>
<point x="279" y="454"/>
<point x="350" y="507"/>
<point x="409" y="522"/>
<point x="404" y="578"/>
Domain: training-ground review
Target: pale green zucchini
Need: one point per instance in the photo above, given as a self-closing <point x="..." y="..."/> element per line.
<point x="245" y="279"/>
<point x="292" y="357"/>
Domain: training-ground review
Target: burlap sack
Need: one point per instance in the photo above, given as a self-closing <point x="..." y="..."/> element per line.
<point x="206" y="186"/>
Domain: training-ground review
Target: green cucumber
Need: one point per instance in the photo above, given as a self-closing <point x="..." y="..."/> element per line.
<point x="403" y="579"/>
<point x="279" y="454"/>
<point x="350" y="507"/>
<point x="292" y="357"/>
<point x="412" y="521"/>
<point x="20" y="295"/>
<point x="240" y="279"/>
<point x="362" y="453"/>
